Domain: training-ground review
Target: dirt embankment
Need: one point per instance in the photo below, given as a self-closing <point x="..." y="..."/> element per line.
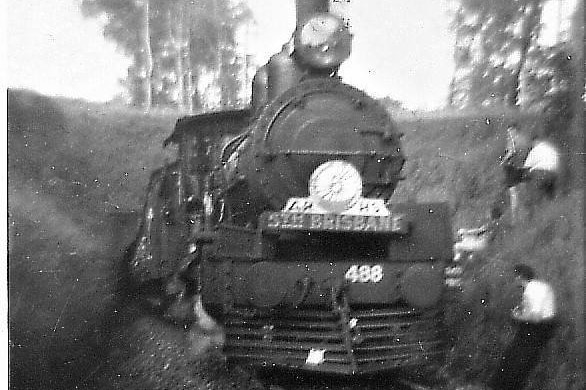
<point x="77" y="173"/>
<point x="72" y="201"/>
<point x="456" y="158"/>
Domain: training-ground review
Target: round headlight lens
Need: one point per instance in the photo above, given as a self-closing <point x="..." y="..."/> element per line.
<point x="323" y="41"/>
<point x="335" y="185"/>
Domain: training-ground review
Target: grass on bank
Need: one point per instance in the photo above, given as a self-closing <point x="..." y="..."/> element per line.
<point x="75" y="170"/>
<point x="455" y="158"/>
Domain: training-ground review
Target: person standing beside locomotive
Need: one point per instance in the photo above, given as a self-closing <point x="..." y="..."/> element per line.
<point x="536" y="320"/>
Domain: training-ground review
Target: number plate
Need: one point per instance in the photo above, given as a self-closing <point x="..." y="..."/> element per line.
<point x="279" y="221"/>
<point x="364" y="273"/>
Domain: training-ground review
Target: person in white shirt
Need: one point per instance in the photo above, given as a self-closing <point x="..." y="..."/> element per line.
<point x="538" y="304"/>
<point x="536" y="319"/>
<point x="543" y="168"/>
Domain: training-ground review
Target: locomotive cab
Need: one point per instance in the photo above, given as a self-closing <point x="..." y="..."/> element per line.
<point x="280" y="218"/>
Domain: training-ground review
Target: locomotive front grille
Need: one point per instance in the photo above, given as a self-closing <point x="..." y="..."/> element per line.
<point x="394" y="338"/>
<point x="320" y="340"/>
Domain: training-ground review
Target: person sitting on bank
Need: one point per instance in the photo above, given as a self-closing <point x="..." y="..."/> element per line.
<point x="535" y="317"/>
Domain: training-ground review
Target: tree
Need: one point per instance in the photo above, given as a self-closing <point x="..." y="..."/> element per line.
<point x="172" y="43"/>
<point x="147" y="51"/>
<point x="529" y="21"/>
<point x="493" y="39"/>
<point x="391" y="104"/>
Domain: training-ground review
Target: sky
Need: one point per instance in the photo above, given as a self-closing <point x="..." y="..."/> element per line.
<point x="401" y="48"/>
<point x="52" y="49"/>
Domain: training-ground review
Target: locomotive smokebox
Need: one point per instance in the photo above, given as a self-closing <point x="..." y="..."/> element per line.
<point x="317" y="121"/>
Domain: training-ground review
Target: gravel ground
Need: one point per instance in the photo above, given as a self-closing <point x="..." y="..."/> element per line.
<point x="149" y="353"/>
<point x="146" y="352"/>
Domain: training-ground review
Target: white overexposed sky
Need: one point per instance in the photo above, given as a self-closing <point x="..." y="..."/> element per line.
<point x="52" y="49"/>
<point x="401" y="48"/>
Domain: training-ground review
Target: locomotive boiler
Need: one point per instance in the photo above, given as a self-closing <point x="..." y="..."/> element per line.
<point x="279" y="220"/>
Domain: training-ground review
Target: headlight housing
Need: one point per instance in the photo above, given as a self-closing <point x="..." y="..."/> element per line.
<point x="335" y="185"/>
<point x="323" y="41"/>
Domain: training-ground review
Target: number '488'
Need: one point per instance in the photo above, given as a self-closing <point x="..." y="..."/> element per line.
<point x="364" y="273"/>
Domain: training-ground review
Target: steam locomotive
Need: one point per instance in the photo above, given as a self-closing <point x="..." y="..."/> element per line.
<point x="278" y="220"/>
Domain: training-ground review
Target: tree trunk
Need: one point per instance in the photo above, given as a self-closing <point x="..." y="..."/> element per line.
<point x="224" y="75"/>
<point x="196" y="101"/>
<point x="146" y="42"/>
<point x="188" y="90"/>
<point x="220" y="70"/>
<point x="451" y="101"/>
<point x="178" y="40"/>
<point x="190" y="85"/>
<point x="532" y="15"/>
<point x="578" y="48"/>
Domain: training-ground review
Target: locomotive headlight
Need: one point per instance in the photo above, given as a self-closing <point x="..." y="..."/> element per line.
<point x="323" y="41"/>
<point x="335" y="185"/>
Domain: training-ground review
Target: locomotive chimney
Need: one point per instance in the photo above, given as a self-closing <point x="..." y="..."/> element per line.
<point x="306" y="8"/>
<point x="281" y="71"/>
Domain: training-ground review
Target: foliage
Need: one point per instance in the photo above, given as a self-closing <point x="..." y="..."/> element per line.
<point x="500" y="61"/>
<point x="73" y="167"/>
<point x="391" y="104"/>
<point x="172" y="44"/>
<point x="492" y="42"/>
<point x="551" y="84"/>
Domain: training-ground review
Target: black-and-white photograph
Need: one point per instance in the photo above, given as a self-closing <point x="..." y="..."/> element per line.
<point x="295" y="194"/>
